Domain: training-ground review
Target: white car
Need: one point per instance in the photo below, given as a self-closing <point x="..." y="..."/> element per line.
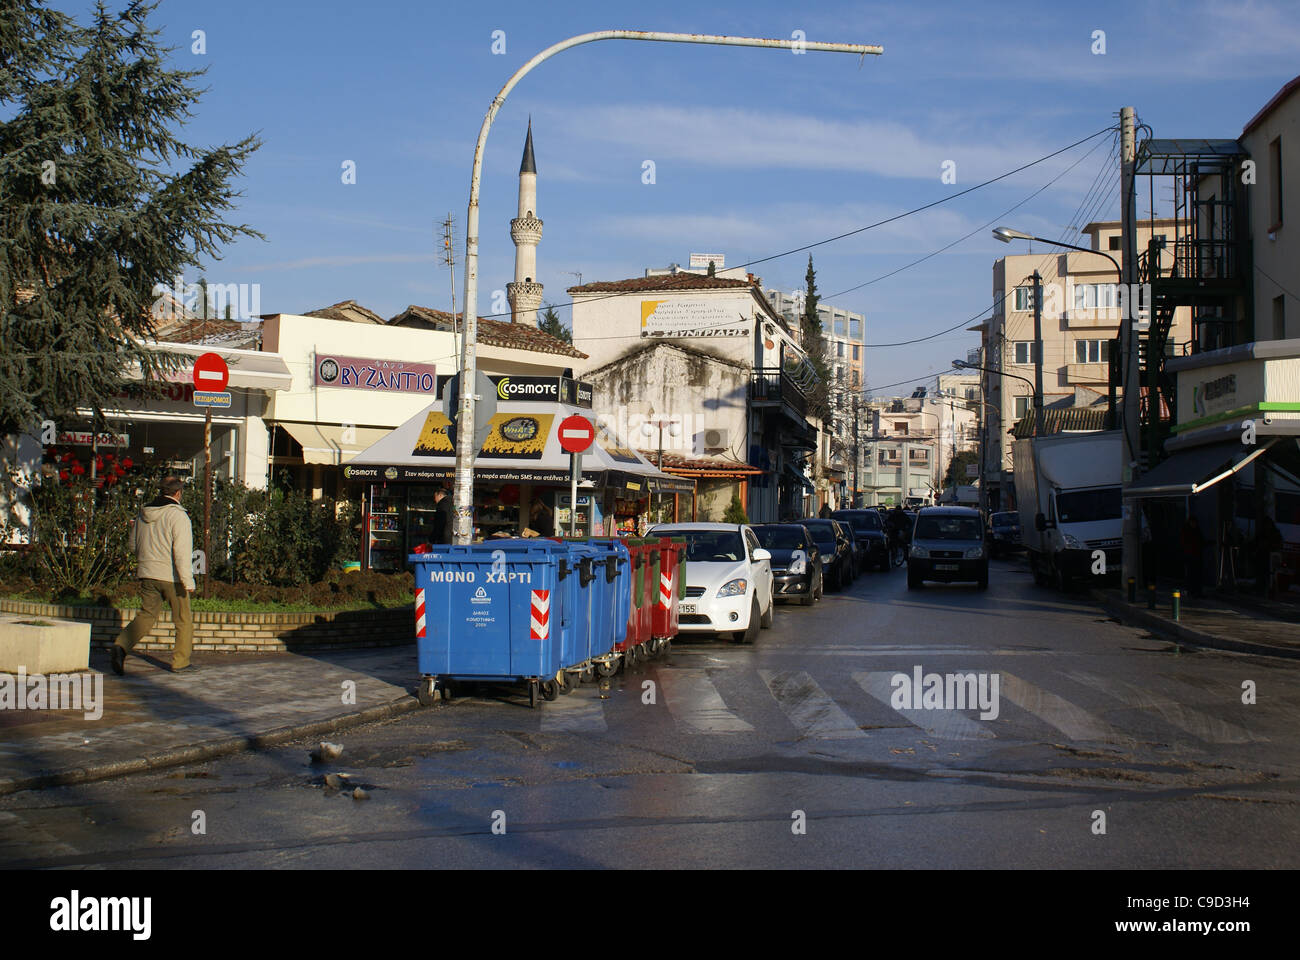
<point x="728" y="579"/>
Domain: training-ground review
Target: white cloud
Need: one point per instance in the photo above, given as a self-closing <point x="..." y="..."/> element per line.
<point x="749" y="139"/>
<point x="340" y="260"/>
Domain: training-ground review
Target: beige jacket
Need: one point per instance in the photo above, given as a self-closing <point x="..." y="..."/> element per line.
<point x="163" y="542"/>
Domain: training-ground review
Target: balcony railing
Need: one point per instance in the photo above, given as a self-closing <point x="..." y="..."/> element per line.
<point x="772" y="385"/>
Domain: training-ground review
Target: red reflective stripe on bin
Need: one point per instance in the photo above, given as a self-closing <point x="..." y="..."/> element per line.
<point x="419" y="613"/>
<point x="665" y="590"/>
<point x="540" y="628"/>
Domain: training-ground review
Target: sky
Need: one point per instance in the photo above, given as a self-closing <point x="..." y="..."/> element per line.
<point x="755" y="152"/>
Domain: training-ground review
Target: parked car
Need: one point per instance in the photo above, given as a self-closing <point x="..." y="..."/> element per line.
<point x="729" y="587"/>
<point x="836" y="549"/>
<point x="1004" y="532"/>
<point x="869" y="534"/>
<point x="947" y="545"/>
<point x="796" y="561"/>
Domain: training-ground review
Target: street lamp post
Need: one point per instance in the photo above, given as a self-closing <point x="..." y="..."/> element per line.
<point x="463" y="493"/>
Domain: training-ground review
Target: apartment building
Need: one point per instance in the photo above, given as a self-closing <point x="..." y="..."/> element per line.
<point x="844" y="332"/>
<point x="1081" y="311"/>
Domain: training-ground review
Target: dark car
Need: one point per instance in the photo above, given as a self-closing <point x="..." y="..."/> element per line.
<point x="948" y="545"/>
<point x="869" y="533"/>
<point x="796" y="561"/>
<point x="1004" y="532"/>
<point x="836" y="549"/>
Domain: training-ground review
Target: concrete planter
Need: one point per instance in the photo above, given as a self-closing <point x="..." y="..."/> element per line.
<point x="43" y="644"/>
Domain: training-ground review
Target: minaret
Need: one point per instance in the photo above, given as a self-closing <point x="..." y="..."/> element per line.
<point x="525" y="294"/>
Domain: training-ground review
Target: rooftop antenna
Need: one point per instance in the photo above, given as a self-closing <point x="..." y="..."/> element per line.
<point x="449" y="258"/>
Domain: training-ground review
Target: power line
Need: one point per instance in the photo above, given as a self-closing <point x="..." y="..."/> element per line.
<point x="983" y="226"/>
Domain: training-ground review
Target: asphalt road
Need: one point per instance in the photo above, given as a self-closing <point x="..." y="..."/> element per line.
<point x="719" y="754"/>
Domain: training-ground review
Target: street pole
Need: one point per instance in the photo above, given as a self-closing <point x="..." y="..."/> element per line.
<point x="207" y="496"/>
<point x="1130" y="443"/>
<point x="575" y="468"/>
<point x="463" y="488"/>
<point x="1038" y="354"/>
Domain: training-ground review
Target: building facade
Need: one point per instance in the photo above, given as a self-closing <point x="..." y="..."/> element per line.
<point x="1081" y="311"/>
<point x="711" y="360"/>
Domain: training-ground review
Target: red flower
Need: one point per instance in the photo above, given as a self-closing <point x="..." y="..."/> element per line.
<point x="63" y="475"/>
<point x="126" y="463"/>
<point x="78" y="469"/>
<point x="68" y="457"/>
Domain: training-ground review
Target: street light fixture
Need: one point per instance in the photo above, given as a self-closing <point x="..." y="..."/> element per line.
<point x="1007" y="234"/>
<point x="463" y="489"/>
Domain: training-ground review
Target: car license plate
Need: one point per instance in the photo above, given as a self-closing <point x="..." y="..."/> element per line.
<point x="946" y="566"/>
<point x="686" y="608"/>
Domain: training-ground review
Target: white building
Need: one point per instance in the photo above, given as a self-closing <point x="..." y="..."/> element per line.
<point x="710" y="356"/>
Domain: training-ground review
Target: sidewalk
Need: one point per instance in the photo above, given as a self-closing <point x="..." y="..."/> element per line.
<point x="1246" y="625"/>
<point x="153" y="718"/>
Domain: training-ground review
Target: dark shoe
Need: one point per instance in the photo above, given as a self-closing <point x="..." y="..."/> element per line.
<point x="119" y="659"/>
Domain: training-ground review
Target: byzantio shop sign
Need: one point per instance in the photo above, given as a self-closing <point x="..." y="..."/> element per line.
<point x="365" y="373"/>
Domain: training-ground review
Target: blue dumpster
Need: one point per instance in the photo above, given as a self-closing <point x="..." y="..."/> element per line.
<point x="614" y="596"/>
<point x="480" y="617"/>
<point x="577" y="565"/>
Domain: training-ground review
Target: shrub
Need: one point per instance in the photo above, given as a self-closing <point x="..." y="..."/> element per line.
<point x="735" y="513"/>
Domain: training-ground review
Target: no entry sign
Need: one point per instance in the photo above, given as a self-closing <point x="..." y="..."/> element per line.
<point x="211" y="373"/>
<point x="576" y="433"/>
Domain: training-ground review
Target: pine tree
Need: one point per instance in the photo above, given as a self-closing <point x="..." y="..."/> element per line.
<point x="102" y="202"/>
<point x="550" y="323"/>
<point x="713" y="269"/>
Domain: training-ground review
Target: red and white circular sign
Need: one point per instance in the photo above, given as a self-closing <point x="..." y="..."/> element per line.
<point x="211" y="373"/>
<point x="576" y="434"/>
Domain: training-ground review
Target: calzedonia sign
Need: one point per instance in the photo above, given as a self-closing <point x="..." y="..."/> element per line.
<point x="520" y="389"/>
<point x="366" y="373"/>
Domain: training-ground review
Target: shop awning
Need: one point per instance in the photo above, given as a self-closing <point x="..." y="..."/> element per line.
<point x="1190" y="471"/>
<point x="807" y="484"/>
<point x="522" y="447"/>
<point x="250" y="369"/>
<point x="324" y="442"/>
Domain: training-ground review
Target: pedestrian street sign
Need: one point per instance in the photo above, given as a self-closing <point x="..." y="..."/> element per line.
<point x="211" y="398"/>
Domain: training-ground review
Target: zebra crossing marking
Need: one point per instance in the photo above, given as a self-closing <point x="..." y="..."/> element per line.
<point x="1203" y="726"/>
<point x="946" y="724"/>
<point x="1073" y="721"/>
<point x="695" y="703"/>
<point x="809" y="707"/>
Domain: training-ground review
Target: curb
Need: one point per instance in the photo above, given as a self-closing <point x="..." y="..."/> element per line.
<point x="1179" y="633"/>
<point x="180" y="756"/>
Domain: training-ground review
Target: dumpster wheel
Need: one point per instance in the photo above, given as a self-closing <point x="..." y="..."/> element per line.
<point x="426" y="693"/>
<point x="588" y="674"/>
<point x="550" y="690"/>
<point x="567" y="681"/>
<point x="532" y="694"/>
<point x="606" y="668"/>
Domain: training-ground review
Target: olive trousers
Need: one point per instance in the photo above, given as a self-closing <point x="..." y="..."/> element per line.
<point x="152" y="595"/>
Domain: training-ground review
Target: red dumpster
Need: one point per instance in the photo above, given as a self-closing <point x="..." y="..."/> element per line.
<point x="635" y="616"/>
<point x="672" y="558"/>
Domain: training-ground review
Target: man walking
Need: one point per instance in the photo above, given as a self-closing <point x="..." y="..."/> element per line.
<point x="163" y="542"/>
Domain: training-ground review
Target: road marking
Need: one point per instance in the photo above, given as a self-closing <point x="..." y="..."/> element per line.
<point x="573" y="714"/>
<point x="1075" y="722"/>
<point x="809" y="707"/>
<point x="946" y="724"/>
<point x="695" y="703"/>
<point x="1200" y="725"/>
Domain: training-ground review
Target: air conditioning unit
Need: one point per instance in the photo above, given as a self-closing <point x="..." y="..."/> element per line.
<point x="716" y="440"/>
